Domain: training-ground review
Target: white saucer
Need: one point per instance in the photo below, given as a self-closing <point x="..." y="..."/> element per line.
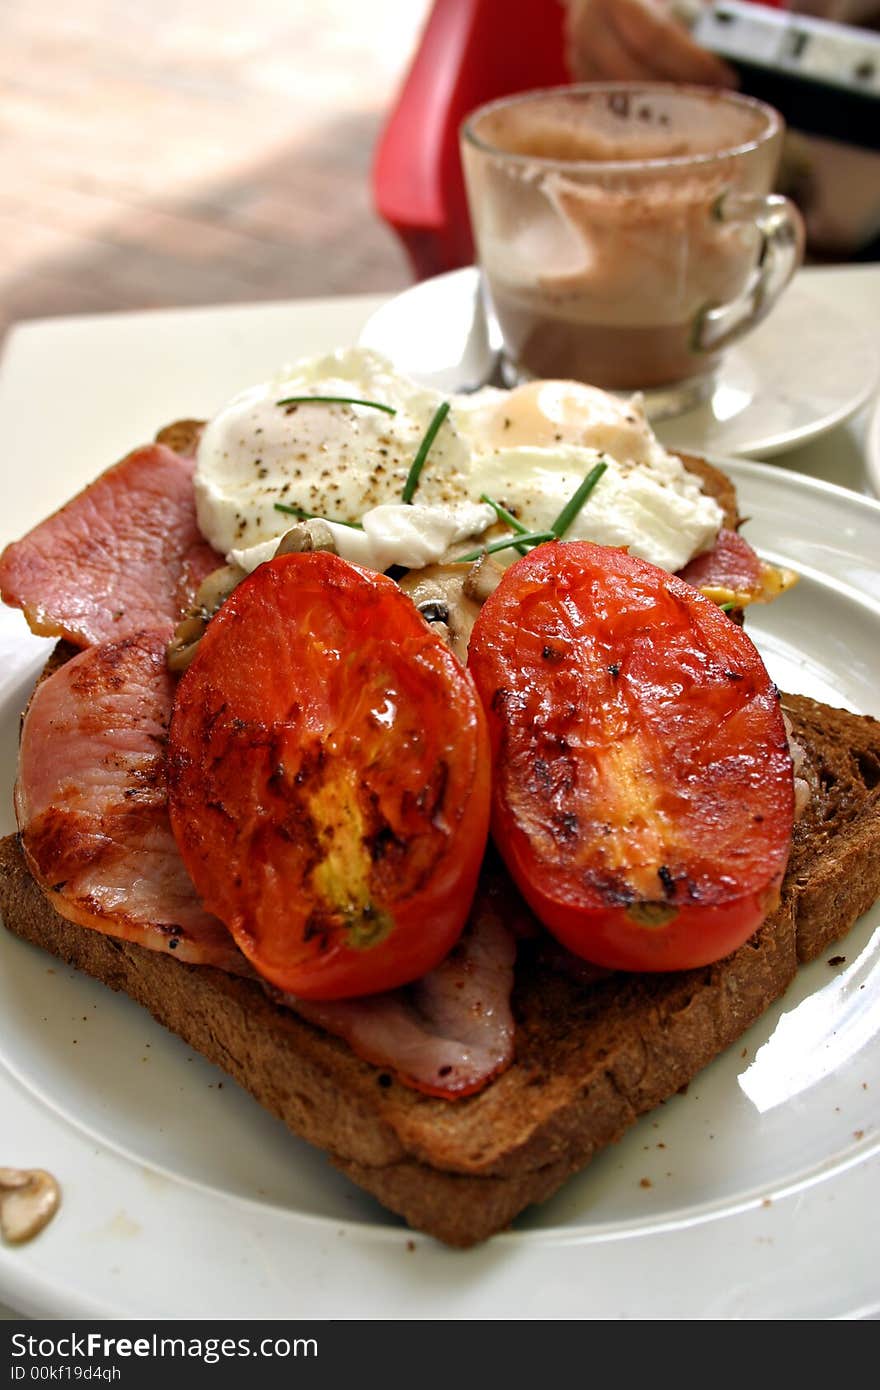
<point x="808" y="367"/>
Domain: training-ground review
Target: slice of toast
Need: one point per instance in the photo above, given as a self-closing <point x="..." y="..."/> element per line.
<point x="590" y="1057"/>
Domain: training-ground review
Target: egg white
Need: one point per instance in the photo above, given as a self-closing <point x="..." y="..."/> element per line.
<point x="527" y="449"/>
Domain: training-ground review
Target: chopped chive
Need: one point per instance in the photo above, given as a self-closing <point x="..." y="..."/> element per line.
<point x="418" y="463"/>
<point x="573" y="506"/>
<point x="336" y="400"/>
<point x="313" y="516"/>
<point x="504" y="515"/>
<point x="524" y="538"/>
<point x="726" y="607"/>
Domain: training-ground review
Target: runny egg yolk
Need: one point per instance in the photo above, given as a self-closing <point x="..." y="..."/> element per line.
<point x="543" y="414"/>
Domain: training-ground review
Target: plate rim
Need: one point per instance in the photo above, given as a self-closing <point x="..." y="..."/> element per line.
<point x="872" y="447"/>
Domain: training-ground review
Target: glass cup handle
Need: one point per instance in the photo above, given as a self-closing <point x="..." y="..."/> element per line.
<point x="781" y="251"/>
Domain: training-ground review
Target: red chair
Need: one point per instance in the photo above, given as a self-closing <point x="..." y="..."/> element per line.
<point x="470" y="52"/>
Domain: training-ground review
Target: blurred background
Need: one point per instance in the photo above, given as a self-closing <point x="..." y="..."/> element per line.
<point x="182" y="152"/>
<point x="193" y="151"/>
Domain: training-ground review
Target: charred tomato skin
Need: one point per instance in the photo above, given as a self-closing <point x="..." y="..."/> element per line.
<point x="643" y="794"/>
<point x="329" y="779"/>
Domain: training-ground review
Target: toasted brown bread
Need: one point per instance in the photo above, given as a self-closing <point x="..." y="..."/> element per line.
<point x="182" y="436"/>
<point x="715" y="484"/>
<point x="590" y="1057"/>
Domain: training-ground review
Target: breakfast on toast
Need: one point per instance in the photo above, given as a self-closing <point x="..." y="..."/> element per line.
<point x="407" y="756"/>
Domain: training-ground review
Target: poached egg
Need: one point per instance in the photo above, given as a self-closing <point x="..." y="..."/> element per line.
<point x="528" y="449"/>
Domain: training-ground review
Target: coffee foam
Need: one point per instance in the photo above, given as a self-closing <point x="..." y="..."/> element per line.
<point x="614" y="128"/>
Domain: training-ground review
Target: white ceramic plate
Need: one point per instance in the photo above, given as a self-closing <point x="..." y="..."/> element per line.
<point x="808" y="367"/>
<point x="763" y="1176"/>
<point x="872" y="448"/>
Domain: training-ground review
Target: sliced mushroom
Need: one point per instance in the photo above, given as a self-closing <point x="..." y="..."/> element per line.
<point x="212" y="593"/>
<point x="482" y="579"/>
<point x="434" y="610"/>
<point x="438" y="593"/>
<point x="187" y="636"/>
<point x="216" y="588"/>
<point x="313" y="534"/>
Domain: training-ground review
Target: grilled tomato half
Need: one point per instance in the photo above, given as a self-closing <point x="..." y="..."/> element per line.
<point x="329" y="779"/>
<point x="642" y="783"/>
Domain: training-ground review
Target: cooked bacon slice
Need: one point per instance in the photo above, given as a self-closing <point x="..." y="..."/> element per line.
<point x="91" y="803"/>
<point x="450" y="1032"/>
<point x="123" y="555"/>
<point x="731" y="566"/>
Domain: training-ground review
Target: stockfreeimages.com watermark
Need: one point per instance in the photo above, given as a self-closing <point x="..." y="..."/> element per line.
<point x="74" y="1355"/>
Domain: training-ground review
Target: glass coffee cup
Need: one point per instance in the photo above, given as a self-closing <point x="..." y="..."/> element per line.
<point x="627" y="233"/>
